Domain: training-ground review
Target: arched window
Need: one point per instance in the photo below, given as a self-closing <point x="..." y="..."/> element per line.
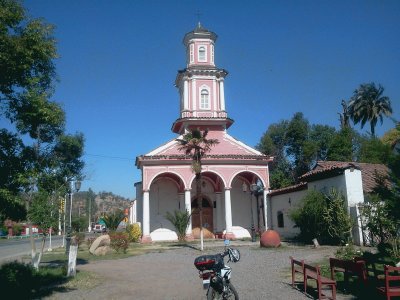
<point x="204" y="99"/>
<point x="202" y="53"/>
<point x="281" y="222"/>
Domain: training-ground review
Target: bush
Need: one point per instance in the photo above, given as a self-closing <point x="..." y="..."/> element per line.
<point x="323" y="217"/>
<point x="17" y="280"/>
<point x="348" y="252"/>
<point x="89" y="241"/>
<point x="119" y="241"/>
<point x="17" y="229"/>
<point x="309" y="217"/>
<point x="134" y="232"/>
<point x="79" y="238"/>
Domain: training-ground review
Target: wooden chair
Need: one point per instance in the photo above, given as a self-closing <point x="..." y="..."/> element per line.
<point x="392" y="282"/>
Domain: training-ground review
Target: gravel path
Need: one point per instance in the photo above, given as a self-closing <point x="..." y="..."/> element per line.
<point x="260" y="274"/>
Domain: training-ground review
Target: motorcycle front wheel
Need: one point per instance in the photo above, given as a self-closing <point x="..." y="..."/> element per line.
<point x="229" y="294"/>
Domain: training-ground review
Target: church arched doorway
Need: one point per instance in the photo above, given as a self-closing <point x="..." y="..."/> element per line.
<point x="208" y="225"/>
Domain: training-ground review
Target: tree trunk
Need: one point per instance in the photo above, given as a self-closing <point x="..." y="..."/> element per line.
<point x="200" y="206"/>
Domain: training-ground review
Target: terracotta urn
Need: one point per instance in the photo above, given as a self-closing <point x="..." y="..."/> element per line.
<point x="270" y="238"/>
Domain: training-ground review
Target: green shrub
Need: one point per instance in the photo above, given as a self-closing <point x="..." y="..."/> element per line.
<point x="134" y="232"/>
<point x="17" y="280"/>
<point x="113" y="219"/>
<point x="323" y="217"/>
<point x="89" y="241"/>
<point x="119" y="241"/>
<point x="348" y="252"/>
<point x="180" y="220"/>
<point x="17" y="229"/>
<point x="79" y="238"/>
<point x="309" y="217"/>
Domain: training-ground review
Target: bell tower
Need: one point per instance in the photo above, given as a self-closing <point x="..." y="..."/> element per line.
<point x="201" y="85"/>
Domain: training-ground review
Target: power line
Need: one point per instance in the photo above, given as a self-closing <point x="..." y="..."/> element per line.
<point x="110" y="157"/>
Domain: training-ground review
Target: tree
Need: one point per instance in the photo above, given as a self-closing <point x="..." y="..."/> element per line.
<point x="44" y="214"/>
<point x="113" y="219"/>
<point x="391" y="137"/>
<point x="32" y="160"/>
<point x="369" y="105"/>
<point x="344" y="116"/>
<point x="321" y="135"/>
<point x="296" y="146"/>
<point x="27" y="49"/>
<point x="273" y="143"/>
<point x="196" y="144"/>
<point x="374" y="151"/>
<point x="344" y="145"/>
<point x="299" y="147"/>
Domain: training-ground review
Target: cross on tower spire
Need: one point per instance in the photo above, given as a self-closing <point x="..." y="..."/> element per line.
<point x="198" y="14"/>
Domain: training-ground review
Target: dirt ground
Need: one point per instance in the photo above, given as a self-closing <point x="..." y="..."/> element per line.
<point x="261" y="274"/>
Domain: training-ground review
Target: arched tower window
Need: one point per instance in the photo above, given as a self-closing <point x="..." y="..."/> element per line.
<point x="204" y="99"/>
<point x="281" y="222"/>
<point x="202" y="53"/>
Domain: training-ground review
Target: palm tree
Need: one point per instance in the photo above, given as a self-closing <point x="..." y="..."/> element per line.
<point x="196" y="144"/>
<point x="180" y="220"/>
<point x="368" y="105"/>
<point x="113" y="219"/>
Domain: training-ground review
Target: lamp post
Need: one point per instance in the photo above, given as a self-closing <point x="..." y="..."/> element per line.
<point x="89" y="209"/>
<point x="253" y="231"/>
<point x="74" y="187"/>
<point x="253" y="190"/>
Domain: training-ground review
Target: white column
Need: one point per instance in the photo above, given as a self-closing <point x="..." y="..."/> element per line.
<point x="218" y="212"/>
<point x="214" y="107"/>
<point x="265" y="199"/>
<point x="193" y="100"/>
<point x="222" y="94"/>
<point x="185" y="94"/>
<point x="228" y="210"/>
<point x="188" y="207"/>
<point x="146" y="214"/>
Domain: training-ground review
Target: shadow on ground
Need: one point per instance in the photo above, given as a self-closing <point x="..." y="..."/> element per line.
<point x="21" y="281"/>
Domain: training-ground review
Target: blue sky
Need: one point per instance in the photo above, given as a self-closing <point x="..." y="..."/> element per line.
<point x="119" y="59"/>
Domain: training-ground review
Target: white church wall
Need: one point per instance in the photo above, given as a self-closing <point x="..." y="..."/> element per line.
<point x="324" y="185"/>
<point x="139" y="202"/>
<point x="355" y="194"/>
<point x="284" y="203"/>
<point x="163" y="198"/>
<point x="241" y="209"/>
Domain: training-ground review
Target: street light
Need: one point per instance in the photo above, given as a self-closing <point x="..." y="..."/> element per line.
<point x="253" y="231"/>
<point x="74" y="187"/>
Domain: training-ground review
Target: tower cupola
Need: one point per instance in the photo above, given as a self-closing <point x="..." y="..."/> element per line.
<point x="199" y="45"/>
<point x="201" y="84"/>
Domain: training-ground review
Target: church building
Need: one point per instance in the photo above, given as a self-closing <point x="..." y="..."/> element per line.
<point x="235" y="177"/>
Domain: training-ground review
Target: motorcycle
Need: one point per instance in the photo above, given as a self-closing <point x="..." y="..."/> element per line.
<point x="216" y="275"/>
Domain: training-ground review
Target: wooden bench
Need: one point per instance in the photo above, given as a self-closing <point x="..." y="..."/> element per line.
<point x="349" y="268"/>
<point x="297" y="267"/>
<point x="392" y="282"/>
<point x="311" y="272"/>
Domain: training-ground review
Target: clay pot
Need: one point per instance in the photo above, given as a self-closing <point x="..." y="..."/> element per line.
<point x="270" y="238"/>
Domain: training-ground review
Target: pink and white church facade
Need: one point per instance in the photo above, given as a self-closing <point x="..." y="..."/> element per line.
<point x="228" y="170"/>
